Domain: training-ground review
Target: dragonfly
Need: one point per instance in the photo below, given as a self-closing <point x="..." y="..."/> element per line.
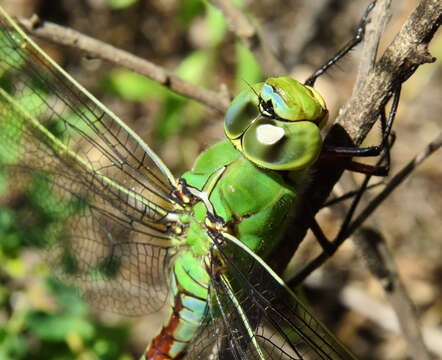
<point x="132" y="237"/>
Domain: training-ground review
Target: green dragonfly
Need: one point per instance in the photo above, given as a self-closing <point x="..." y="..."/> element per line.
<point x="131" y="237"/>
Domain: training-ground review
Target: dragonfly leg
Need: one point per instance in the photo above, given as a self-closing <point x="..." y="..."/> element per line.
<point x="347" y="47"/>
<point x="356" y="195"/>
<point x="349" y="195"/>
<point x="342" y="155"/>
<point x="325" y="243"/>
<point x="329" y="247"/>
<point x="387" y="143"/>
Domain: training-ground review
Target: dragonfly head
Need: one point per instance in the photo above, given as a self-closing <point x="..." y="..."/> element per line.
<point x="276" y="124"/>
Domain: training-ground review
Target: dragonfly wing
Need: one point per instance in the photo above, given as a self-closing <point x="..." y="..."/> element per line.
<point x="103" y="197"/>
<point x="257" y="317"/>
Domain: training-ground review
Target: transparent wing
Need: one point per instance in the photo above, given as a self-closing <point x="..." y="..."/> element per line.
<point x="99" y="198"/>
<point x="255" y="316"/>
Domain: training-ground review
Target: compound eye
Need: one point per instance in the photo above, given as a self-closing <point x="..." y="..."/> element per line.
<point x="276" y="124"/>
<point x="292" y="101"/>
<point x="278" y="145"/>
<point x="240" y="114"/>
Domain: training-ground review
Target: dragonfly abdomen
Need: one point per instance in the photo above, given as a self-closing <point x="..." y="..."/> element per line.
<point x="189" y="285"/>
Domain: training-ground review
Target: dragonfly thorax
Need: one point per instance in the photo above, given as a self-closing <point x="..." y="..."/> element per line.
<point x="252" y="203"/>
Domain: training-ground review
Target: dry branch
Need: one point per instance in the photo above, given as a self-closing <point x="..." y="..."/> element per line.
<point x="101" y="50"/>
<point x="408" y="50"/>
<point x="374" y="250"/>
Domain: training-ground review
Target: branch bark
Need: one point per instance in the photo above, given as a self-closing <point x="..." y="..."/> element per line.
<point x="380" y="16"/>
<point x="98" y="49"/>
<point x="403" y="56"/>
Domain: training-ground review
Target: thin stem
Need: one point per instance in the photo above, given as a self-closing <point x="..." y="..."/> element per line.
<point x="393" y="184"/>
<point x="99" y="49"/>
<point x="374" y="29"/>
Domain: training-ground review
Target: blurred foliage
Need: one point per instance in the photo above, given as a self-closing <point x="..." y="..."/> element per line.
<point x="120" y="4"/>
<point x="58" y="324"/>
<point x="179" y="113"/>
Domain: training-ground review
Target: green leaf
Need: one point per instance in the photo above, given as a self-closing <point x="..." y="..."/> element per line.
<point x="9" y="238"/>
<point x="58" y="327"/>
<point x="12" y="346"/>
<point x="3" y="182"/>
<point x="120" y="4"/>
<point x="217" y="25"/>
<point x="132" y="86"/>
<point x="189" y="9"/>
<point x="193" y="68"/>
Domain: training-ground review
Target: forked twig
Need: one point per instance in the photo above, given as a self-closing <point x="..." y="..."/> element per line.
<point x="402" y="57"/>
<point x="394" y="183"/>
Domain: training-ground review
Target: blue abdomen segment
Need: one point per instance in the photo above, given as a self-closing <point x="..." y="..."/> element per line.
<point x="189" y="294"/>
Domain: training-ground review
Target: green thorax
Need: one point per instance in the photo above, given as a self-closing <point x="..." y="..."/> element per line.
<point x="253" y="202"/>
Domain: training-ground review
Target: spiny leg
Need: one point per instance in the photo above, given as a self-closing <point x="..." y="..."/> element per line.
<point x="330" y="153"/>
<point x="347" y="47"/>
<point x="328" y="246"/>
<point x="356" y="194"/>
<point x="342" y="155"/>
<point x="349" y="195"/>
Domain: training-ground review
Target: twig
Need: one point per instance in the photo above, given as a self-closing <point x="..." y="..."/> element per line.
<point x="373" y="249"/>
<point x="374" y="29"/>
<point x="376" y="255"/>
<point x="408" y="50"/>
<point x="395" y="182"/>
<point x="370" y="244"/>
<point x="250" y="37"/>
<point x="99" y="49"/>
